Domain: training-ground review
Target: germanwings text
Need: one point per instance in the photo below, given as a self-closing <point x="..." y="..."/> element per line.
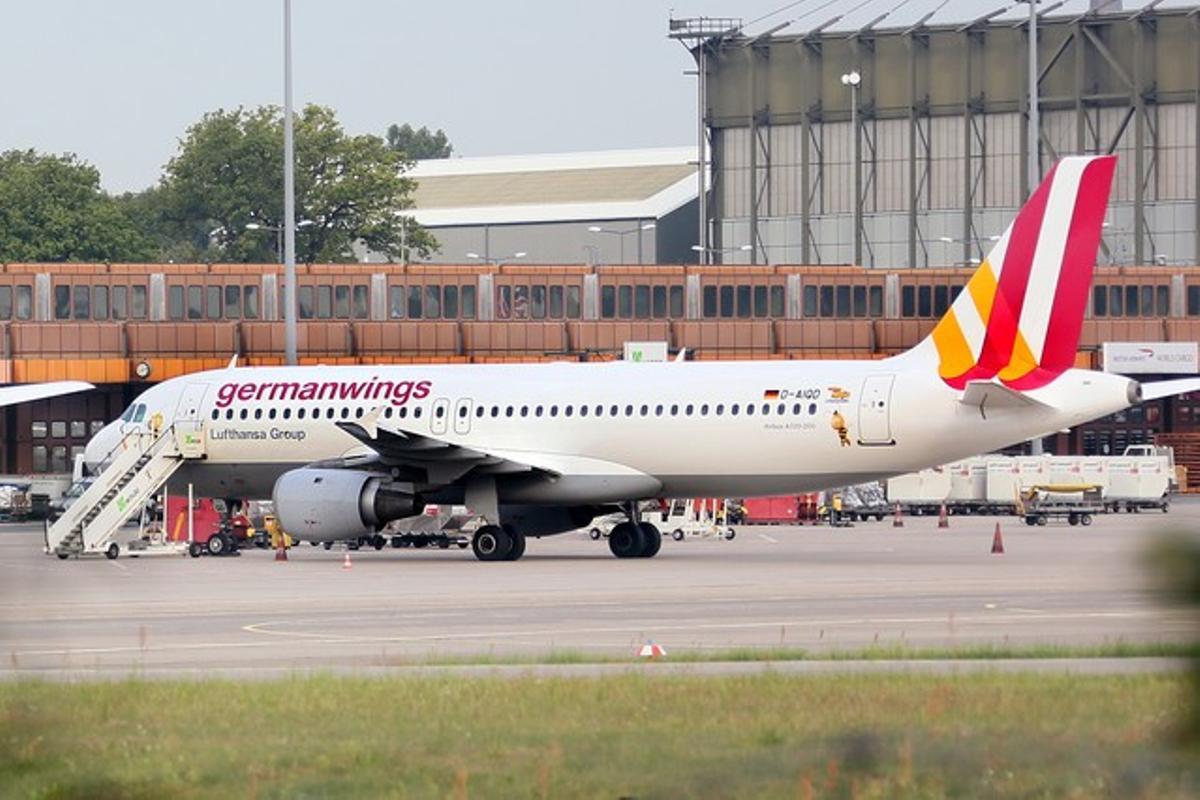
<point x="397" y="392"/>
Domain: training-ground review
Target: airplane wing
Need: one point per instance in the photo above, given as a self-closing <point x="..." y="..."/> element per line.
<point x="24" y="393"/>
<point x="1158" y="389"/>
<point x="437" y="462"/>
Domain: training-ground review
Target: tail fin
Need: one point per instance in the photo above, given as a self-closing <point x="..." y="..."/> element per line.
<point x="1019" y="316"/>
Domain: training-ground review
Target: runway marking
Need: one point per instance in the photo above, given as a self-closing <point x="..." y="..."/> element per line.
<point x="767" y="538"/>
<point x="644" y="627"/>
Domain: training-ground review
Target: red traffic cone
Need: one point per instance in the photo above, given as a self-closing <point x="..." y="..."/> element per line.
<point x="943" y="517"/>
<point x="897" y="519"/>
<point x="281" y="553"/>
<point x="997" y="541"/>
<point x="346" y="561"/>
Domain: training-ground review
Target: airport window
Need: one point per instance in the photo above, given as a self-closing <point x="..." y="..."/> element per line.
<point x="625" y="302"/>
<point x="38" y="429"/>
<point x="641" y="302"/>
<point x="396" y="302"/>
<point x="710" y="301"/>
<point x="809" y="302"/>
<point x="1147" y="305"/>
<point x="537" y="301"/>
<point x="761" y="304"/>
<point x="97" y="426"/>
<point x="361" y="308"/>
<point x="58" y="429"/>
<point x="138" y="302"/>
<point x="658" y="302"/>
<point x="726" y="294"/>
<point x="449" y="301"/>
<point x="1116" y="305"/>
<point x="743" y="294"/>
<point x="675" y="297"/>
<point x="1193" y="301"/>
<point x="233" y="302"/>
<point x="83" y="302"/>
<point x="62" y="302"/>
<point x="433" y="301"/>
<point x="1099" y="301"/>
<point x="924" y="301"/>
<point x="941" y="302"/>
<point x="23" y="305"/>
<point x="58" y="458"/>
<point x="6" y="304"/>
<point x="1162" y="301"/>
<point x="100" y="302"/>
<point x="120" y="302"/>
<point x="826" y="301"/>
<point x="415" y="303"/>
<point x="41" y="459"/>
<point x="78" y="429"/>
<point x="875" y="296"/>
<point x="1131" y="301"/>
<point x="908" y="301"/>
<point x="859" y="301"/>
<point x="608" y="301"/>
<point x="842" y="295"/>
<point x="325" y="302"/>
<point x="556" y="302"/>
<point x="195" y="302"/>
<point x="574" y="306"/>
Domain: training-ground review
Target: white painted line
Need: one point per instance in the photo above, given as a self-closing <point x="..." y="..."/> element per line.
<point x="770" y="539"/>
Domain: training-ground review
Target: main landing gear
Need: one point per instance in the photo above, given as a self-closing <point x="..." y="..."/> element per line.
<point x="634" y="539"/>
<point x="498" y="543"/>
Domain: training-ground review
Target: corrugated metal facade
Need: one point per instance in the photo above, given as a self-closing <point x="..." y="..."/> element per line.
<point x="943" y="139"/>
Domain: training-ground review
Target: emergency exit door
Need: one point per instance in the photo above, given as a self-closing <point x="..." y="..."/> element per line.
<point x="875" y="410"/>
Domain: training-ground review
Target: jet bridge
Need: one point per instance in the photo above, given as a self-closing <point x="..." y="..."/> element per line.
<point x="134" y="472"/>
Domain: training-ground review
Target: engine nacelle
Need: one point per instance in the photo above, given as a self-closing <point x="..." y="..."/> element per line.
<point x="321" y="505"/>
<point x="547" y="520"/>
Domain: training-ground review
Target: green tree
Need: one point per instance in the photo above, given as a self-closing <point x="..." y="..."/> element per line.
<point x="53" y="209"/>
<point x="228" y="174"/>
<point x="418" y="144"/>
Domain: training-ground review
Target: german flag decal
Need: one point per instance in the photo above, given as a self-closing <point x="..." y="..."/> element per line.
<point x="771" y="394"/>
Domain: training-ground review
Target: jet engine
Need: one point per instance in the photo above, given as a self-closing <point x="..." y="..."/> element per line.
<point x="321" y="505"/>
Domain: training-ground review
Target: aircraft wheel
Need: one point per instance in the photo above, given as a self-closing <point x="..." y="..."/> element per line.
<point x="517" y="547"/>
<point x="625" y="540"/>
<point x="491" y="543"/>
<point x="651" y="540"/>
<point x="677" y="534"/>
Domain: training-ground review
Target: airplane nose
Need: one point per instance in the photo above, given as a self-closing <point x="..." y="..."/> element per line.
<point x="98" y="448"/>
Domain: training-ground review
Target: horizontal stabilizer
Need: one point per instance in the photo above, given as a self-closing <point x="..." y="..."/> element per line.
<point x="1153" y="391"/>
<point x="987" y="395"/>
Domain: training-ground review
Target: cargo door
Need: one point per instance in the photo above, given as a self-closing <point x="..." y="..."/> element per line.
<point x="875" y="411"/>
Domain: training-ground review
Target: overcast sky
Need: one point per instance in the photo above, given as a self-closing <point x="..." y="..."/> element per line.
<point x="119" y="81"/>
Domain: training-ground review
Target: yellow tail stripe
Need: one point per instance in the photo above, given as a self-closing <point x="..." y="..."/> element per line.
<point x="953" y="350"/>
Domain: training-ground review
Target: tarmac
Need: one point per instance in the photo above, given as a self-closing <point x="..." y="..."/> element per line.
<point x="394" y="611"/>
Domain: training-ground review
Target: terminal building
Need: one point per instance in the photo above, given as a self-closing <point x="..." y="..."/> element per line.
<point x="804" y="265"/>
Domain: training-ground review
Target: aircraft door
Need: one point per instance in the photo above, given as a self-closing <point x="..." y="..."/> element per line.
<point x="441" y="410"/>
<point x="462" y="416"/>
<point x="875" y="410"/>
<point x="191" y="402"/>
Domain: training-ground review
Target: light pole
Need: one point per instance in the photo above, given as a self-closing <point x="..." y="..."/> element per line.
<point x="649" y="226"/>
<point x="289" y="197"/>
<point x="717" y="251"/>
<point x="258" y="226"/>
<point x="497" y="262"/>
<point x="1034" y="135"/>
<point x="853" y="79"/>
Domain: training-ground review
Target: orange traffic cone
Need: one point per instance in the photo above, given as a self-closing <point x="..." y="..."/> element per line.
<point x="897" y="519"/>
<point x="281" y="553"/>
<point x="943" y="517"/>
<point x="346" y="561"/>
<point x="997" y="542"/>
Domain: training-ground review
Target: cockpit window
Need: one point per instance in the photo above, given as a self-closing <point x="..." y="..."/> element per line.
<point x="128" y="415"/>
<point x="139" y="412"/>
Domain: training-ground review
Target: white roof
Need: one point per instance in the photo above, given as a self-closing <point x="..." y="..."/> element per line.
<point x="567" y="187"/>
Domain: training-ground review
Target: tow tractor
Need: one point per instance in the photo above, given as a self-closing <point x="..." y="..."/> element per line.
<point x="1077" y="503"/>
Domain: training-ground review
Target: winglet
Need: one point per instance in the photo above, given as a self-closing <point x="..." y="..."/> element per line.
<point x="681" y="355"/>
<point x="232" y="362"/>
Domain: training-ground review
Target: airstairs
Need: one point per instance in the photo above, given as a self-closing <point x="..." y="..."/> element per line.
<point x="135" y="470"/>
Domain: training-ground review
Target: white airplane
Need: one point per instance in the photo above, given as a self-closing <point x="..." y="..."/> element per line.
<point x="541" y="449"/>
<point x="26" y="392"/>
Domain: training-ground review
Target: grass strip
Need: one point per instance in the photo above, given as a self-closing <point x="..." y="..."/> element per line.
<point x="863" y="736"/>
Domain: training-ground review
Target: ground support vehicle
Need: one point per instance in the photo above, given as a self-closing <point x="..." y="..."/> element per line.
<point x="1077" y="504"/>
